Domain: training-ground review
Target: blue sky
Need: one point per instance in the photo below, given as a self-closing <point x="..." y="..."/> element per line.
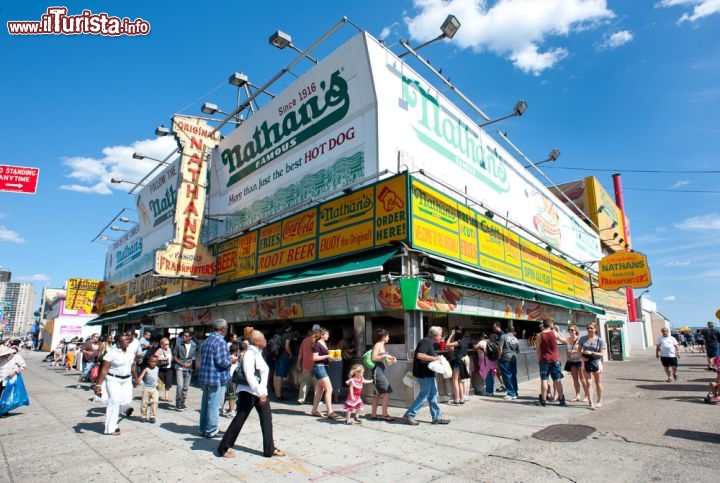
<point x="617" y="86"/>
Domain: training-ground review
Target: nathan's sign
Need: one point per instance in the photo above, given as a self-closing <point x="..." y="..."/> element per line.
<point x="624" y="269"/>
<point x="186" y="256"/>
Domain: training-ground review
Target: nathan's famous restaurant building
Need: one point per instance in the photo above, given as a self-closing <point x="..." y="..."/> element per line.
<point x="358" y="198"/>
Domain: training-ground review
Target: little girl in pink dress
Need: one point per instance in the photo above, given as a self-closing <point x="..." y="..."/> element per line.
<point x="354" y="403"/>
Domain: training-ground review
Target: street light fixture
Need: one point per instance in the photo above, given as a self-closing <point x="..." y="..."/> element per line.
<point x="448" y="28"/>
<point x="552" y="156"/>
<point x="162" y="131"/>
<point x="281" y="40"/>
<point x="117" y="228"/>
<point x="118" y="181"/>
<point x="518" y="110"/>
<point x="142" y="156"/>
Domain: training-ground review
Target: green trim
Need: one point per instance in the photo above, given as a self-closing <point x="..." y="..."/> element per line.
<point x="465" y="278"/>
<point x="361" y="268"/>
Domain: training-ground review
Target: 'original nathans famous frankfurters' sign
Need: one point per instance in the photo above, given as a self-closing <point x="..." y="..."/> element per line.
<point x="186" y="256"/>
<point x="624" y="269"/>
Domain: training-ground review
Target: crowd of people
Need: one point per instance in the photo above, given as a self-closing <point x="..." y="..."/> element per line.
<point x="244" y="371"/>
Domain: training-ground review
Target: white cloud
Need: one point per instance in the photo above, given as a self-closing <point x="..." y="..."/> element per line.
<point x="669" y="298"/>
<point x="710" y="221"/>
<point x="682" y="182"/>
<point x="93" y="175"/>
<point x="38" y="277"/>
<point x="10" y="236"/>
<point x="701" y="8"/>
<point x="616" y="40"/>
<point x="515" y="29"/>
<point x="387" y="31"/>
<point x="677" y="263"/>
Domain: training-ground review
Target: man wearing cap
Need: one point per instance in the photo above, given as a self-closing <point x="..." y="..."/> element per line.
<point x="305" y="364"/>
<point x="712" y="344"/>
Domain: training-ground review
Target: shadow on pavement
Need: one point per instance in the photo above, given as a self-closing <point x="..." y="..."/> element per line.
<point x="694" y="435"/>
<point x="96" y="412"/>
<point x="673" y="386"/>
<point x="98" y="428"/>
<point x="180" y="429"/>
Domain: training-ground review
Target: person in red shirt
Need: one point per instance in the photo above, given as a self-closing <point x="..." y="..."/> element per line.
<point x="548" y="357"/>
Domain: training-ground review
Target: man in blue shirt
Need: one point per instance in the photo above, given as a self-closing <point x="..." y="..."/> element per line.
<point x="213" y="375"/>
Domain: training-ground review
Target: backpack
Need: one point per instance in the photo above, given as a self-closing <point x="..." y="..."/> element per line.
<point x="513" y="343"/>
<point x="274" y="346"/>
<point x="367" y="360"/>
<point x="492" y="351"/>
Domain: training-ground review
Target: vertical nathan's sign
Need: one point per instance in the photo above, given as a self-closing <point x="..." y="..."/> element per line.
<point x="185" y="256"/>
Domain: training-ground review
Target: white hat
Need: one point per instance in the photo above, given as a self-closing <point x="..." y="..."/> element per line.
<point x="5" y="350"/>
<point x="316" y="327"/>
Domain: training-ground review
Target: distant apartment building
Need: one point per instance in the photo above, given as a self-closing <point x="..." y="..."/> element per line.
<point x="17" y="302"/>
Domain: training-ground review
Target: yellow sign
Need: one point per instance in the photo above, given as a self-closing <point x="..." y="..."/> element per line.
<point x="624" y="269"/>
<point x="226" y="260"/>
<point x="80" y="294"/>
<point x="442" y="225"/>
<point x="186" y="256"/>
<point x="346" y="224"/>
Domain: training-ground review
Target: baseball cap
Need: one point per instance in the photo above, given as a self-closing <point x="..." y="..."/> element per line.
<point x="316" y="327"/>
<point x="710" y="323"/>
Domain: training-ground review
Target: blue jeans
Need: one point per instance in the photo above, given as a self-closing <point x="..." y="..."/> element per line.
<point x="85" y="374"/>
<point x="428" y="392"/>
<point x="212" y="399"/>
<point x="508" y="369"/>
<point x="490" y="384"/>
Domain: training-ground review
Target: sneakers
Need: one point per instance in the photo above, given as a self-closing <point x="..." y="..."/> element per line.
<point x="410" y="421"/>
<point x="180" y="407"/>
<point x="216" y="434"/>
<point x="441" y="421"/>
<point x="508" y="397"/>
<point x="668" y="380"/>
<point x="129" y="412"/>
<point x="151" y="420"/>
<point x="562" y="402"/>
<point x="500" y="389"/>
<point x="675" y="376"/>
<point x="541" y="401"/>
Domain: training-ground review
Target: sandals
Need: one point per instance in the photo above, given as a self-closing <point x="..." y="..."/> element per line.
<point x="350" y="423"/>
<point x="333" y="415"/>
<point x="278" y="452"/>
<point x="386" y="418"/>
<point x="229" y="453"/>
<point x="316" y="414"/>
<point x="576" y="399"/>
<point x="357" y="420"/>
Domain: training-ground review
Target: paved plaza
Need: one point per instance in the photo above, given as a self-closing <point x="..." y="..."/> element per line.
<point x="647" y="430"/>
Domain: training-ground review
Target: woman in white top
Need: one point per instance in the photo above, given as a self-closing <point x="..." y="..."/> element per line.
<point x="252" y="394"/>
<point x="575" y="361"/>
<point x="164" y="363"/>
<point x="10" y="364"/>
<point x="118" y="372"/>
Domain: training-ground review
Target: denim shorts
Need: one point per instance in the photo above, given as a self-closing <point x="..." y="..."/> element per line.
<point x="551" y="369"/>
<point x="320" y="371"/>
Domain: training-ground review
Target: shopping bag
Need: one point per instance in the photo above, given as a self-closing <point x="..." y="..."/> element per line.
<point x="409" y="379"/>
<point x="447" y="369"/>
<point x="14" y="395"/>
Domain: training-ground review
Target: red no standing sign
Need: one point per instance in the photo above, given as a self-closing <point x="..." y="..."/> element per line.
<point x="18" y="179"/>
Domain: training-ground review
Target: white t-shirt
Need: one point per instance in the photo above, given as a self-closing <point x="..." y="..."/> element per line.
<point x="120" y="361"/>
<point x="667" y="346"/>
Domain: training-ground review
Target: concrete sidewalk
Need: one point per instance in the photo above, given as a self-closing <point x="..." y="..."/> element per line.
<point x="647" y="430"/>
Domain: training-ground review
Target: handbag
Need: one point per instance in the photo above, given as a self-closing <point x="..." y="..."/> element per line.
<point x="238" y="377"/>
<point x="14" y="395"/>
<point x="163" y="363"/>
<point x="94" y="372"/>
<point x="567" y="367"/>
<point x="591" y="365"/>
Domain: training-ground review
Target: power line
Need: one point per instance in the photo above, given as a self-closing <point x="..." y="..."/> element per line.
<point x="673" y="191"/>
<point x="623" y="170"/>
